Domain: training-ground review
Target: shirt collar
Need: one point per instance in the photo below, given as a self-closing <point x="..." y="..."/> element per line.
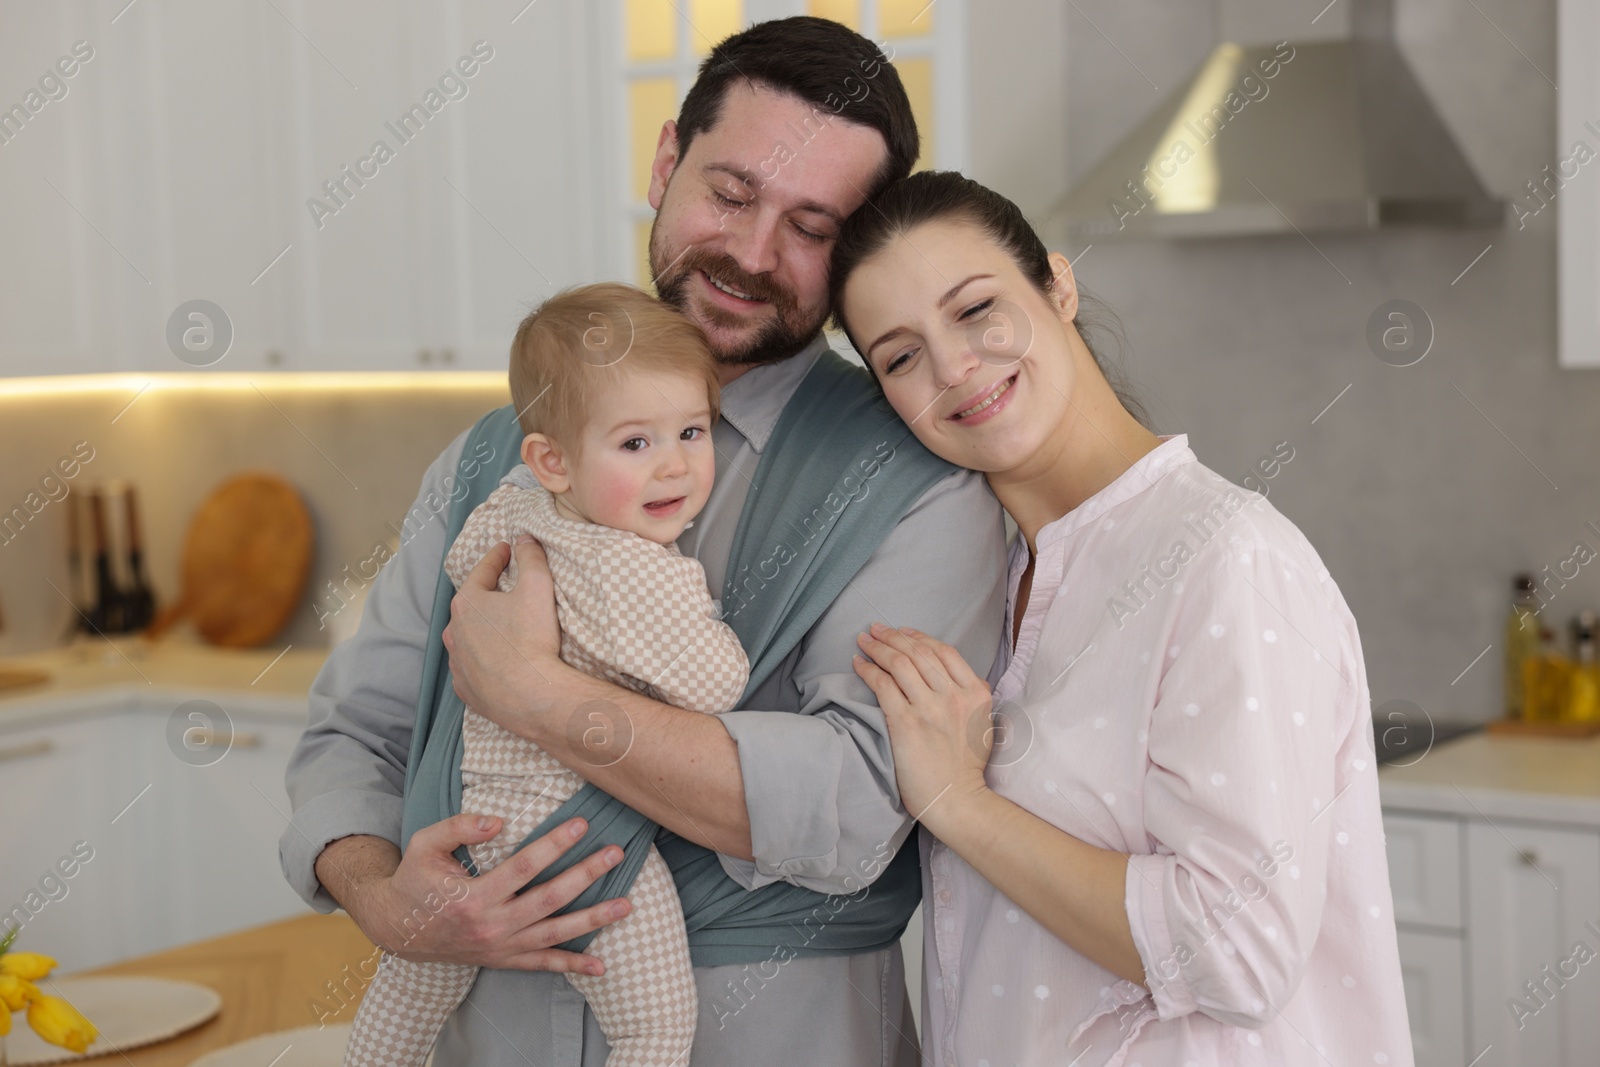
<point x="753" y="401"/>
<point x="1145" y="472"/>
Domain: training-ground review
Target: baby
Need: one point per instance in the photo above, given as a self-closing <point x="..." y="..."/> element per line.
<point x="616" y="394"/>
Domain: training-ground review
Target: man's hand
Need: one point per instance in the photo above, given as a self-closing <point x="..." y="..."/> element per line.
<point x="505" y="647"/>
<point x="426" y="907"/>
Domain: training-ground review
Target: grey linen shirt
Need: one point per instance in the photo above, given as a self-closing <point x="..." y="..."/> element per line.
<point x="819" y="781"/>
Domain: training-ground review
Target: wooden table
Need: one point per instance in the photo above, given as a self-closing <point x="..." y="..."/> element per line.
<point x="281" y="976"/>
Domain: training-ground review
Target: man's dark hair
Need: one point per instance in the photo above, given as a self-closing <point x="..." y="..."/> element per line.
<point x="826" y="64"/>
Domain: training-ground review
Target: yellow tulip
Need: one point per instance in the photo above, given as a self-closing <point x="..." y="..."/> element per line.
<point x="28" y="965"/>
<point x="5" y="1021"/>
<point x="16" y="993"/>
<point x="60" y="1023"/>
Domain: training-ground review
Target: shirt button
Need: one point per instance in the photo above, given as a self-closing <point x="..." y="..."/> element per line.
<point x="944" y="896"/>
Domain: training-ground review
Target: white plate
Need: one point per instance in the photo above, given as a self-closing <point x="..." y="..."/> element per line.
<point x="128" y="1012"/>
<point x="309" y="1046"/>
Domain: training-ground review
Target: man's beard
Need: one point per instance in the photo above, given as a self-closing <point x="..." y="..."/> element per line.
<point x="781" y="336"/>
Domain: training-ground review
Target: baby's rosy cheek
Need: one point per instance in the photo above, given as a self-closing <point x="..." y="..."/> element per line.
<point x="622" y="493"/>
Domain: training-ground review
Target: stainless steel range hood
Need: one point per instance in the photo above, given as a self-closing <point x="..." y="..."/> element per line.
<point x="1339" y="137"/>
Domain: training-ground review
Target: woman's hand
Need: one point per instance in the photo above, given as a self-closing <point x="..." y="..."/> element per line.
<point x="938" y="711"/>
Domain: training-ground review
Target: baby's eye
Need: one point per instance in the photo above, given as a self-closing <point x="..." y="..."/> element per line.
<point x="692" y="433"/>
<point x="633" y="444"/>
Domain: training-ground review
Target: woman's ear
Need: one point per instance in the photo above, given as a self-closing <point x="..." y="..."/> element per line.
<point x="544" y="457"/>
<point x="1063" y="286"/>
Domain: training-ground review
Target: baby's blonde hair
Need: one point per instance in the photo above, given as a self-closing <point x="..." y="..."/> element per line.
<point x="587" y="338"/>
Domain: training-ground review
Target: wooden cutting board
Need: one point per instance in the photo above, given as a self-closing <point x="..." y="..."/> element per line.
<point x="245" y="562"/>
<point x="21" y="677"/>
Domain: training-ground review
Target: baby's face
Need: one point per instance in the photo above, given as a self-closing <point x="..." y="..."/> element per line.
<point x="647" y="463"/>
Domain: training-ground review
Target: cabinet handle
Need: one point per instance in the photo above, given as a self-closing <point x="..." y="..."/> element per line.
<point x="26" y="749"/>
<point x="1528" y="856"/>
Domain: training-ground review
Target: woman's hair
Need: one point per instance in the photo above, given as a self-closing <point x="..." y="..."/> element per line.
<point x="931" y="195"/>
<point x="827" y="65"/>
<point x="589" y="337"/>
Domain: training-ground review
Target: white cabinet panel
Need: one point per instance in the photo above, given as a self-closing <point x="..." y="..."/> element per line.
<point x="220" y="825"/>
<point x="432" y="209"/>
<point x="174" y="850"/>
<point x="1531" y="893"/>
<point x="60" y="784"/>
<point x="1424" y="869"/>
<point x="1431" y="968"/>
<point x="1578" y="202"/>
<point x="60" y="268"/>
<point x="230" y="153"/>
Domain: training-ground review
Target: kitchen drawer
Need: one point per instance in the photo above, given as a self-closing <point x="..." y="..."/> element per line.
<point x="1425" y="869"/>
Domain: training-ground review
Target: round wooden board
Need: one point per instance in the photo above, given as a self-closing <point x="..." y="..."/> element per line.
<point x="246" y="560"/>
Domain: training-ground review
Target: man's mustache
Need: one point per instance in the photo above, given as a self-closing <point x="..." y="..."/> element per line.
<point x="730" y="274"/>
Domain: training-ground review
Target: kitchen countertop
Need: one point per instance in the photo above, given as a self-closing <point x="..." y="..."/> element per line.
<point x="270" y="978"/>
<point x="92" y="671"/>
<point x="1544" y="779"/>
<point x="1478" y="775"/>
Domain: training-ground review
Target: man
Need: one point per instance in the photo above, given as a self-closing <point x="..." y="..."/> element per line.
<point x="790" y="126"/>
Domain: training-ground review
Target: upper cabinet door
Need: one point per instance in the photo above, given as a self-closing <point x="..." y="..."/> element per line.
<point x="54" y="258"/>
<point x="440" y="180"/>
<point x="141" y="183"/>
<point x="1578" y="202"/>
<point x="359" y="186"/>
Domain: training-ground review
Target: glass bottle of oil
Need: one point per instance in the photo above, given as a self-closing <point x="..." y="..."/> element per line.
<point x="1581" y="701"/>
<point x="1544" y="680"/>
<point x="1523" y="644"/>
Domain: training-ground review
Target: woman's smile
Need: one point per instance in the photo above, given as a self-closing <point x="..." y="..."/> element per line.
<point x="989" y="405"/>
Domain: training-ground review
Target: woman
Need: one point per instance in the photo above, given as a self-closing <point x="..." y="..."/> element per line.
<point x="1166" y="846"/>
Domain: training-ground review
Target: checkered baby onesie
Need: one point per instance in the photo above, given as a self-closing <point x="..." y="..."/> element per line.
<point x="639" y="614"/>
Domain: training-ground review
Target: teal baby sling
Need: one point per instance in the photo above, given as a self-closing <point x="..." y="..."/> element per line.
<point x="839" y="472"/>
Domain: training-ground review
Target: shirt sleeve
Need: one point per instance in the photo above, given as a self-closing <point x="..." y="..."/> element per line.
<point x="1260" y="662"/>
<point x="346" y="774"/>
<point x="820" y="785"/>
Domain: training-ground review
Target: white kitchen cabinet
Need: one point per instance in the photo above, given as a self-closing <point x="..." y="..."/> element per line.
<point x="1531" y="892"/>
<point x="188" y="156"/>
<point x="1431" y="970"/>
<point x="180" y="850"/>
<point x="433" y="257"/>
<point x="1425" y="869"/>
<point x="219" y="828"/>
<point x="1482" y="905"/>
<point x="61" y="784"/>
<point x="1578" y="196"/>
<point x="61" y="281"/>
